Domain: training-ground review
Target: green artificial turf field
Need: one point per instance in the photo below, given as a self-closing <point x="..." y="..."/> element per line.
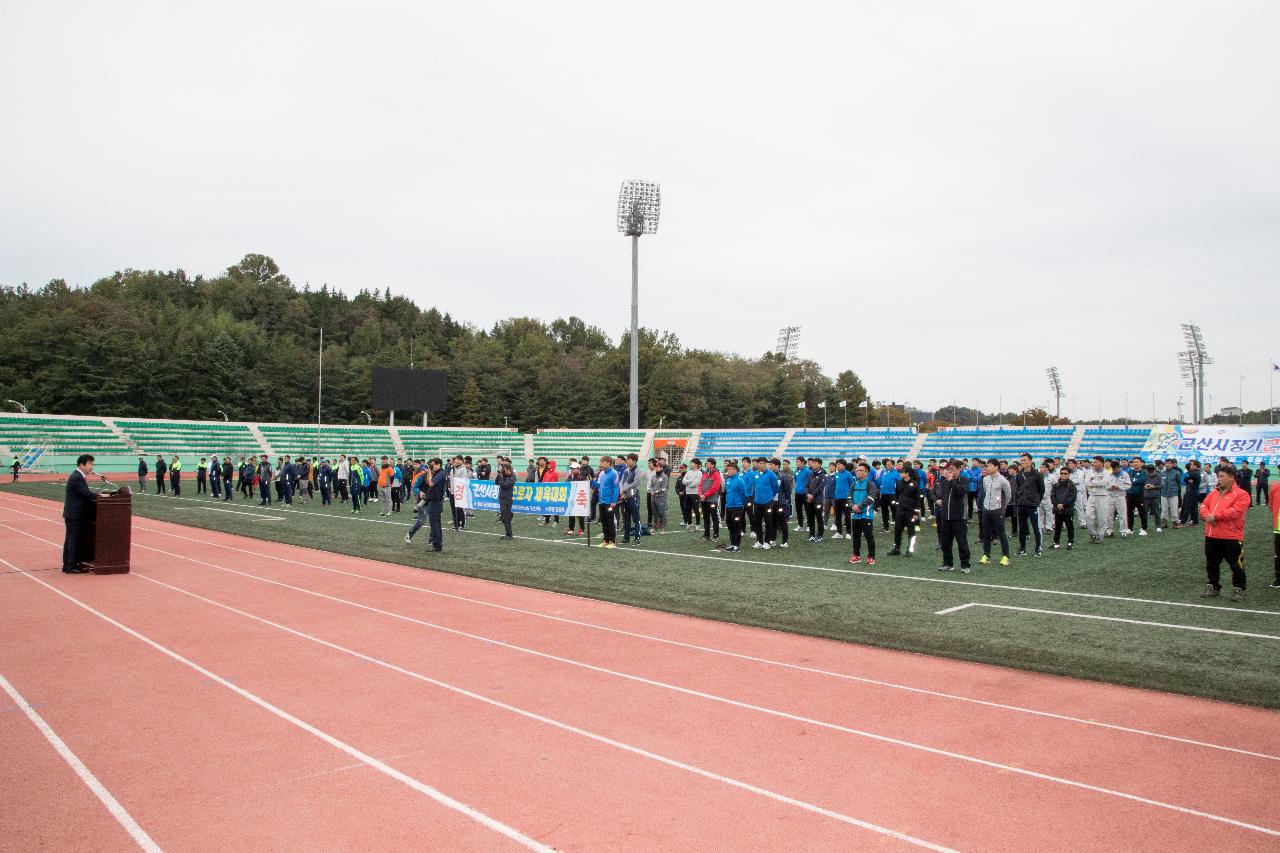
<point x="811" y="589"/>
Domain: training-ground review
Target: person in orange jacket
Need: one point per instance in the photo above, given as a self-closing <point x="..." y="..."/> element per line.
<point x="1273" y="498"/>
<point x="1223" y="513"/>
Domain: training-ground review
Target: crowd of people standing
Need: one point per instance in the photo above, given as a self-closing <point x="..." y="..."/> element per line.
<point x="764" y="500"/>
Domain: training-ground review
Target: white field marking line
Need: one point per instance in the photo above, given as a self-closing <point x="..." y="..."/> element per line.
<point x="1106" y="619"/>
<point x="802" y="567"/>
<point x="256" y="515"/>
<point x="420" y="787"/>
<point x="711" y="650"/>
<point x="737" y="655"/>
<point x="722" y="699"/>
<point x="635" y="750"/>
<point x="100" y="791"/>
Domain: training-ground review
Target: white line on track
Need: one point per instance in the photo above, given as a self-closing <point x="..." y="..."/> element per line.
<point x="635" y="750"/>
<point x="1105" y="619"/>
<point x="803" y="567"/>
<point x="971" y="759"/>
<point x="718" y="651"/>
<point x="421" y="787"/>
<point x="767" y="661"/>
<point x="99" y="790"/>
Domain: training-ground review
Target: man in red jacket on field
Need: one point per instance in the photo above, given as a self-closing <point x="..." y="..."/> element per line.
<point x="1273" y="498"/>
<point x="1223" y="512"/>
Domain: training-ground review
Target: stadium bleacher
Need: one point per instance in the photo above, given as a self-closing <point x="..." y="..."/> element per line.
<point x="1003" y="443"/>
<point x="735" y="443"/>
<point x="54" y="442"/>
<point x="831" y="444"/>
<point x="190" y="438"/>
<point x="299" y="440"/>
<point x="64" y="437"/>
<point x="562" y="445"/>
<point x="426" y="442"/>
<point x="1113" y="442"/>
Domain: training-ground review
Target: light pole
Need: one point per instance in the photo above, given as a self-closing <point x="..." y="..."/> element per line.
<point x="823" y="405"/>
<point x="224" y="415"/>
<point x="1055" y="385"/>
<point x="367" y="418"/>
<point x="639" y="204"/>
<point x="21" y="407"/>
<point x="1240" y="416"/>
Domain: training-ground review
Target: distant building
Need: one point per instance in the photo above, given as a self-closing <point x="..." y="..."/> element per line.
<point x="1230" y="412"/>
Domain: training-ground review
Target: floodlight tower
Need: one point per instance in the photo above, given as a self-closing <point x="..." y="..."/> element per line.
<point x="639" y="203"/>
<point x="1055" y="385"/>
<point x="788" y="342"/>
<point x="1188" y="373"/>
<point x="1199" y="357"/>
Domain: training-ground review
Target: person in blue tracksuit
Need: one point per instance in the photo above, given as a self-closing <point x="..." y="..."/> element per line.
<point x="735" y="502"/>
<point x="802" y="478"/>
<point x="842" y="482"/>
<point x="782" y="503"/>
<point x="749" y="475"/>
<point x="974" y="475"/>
<point x="606" y="485"/>
<point x="829" y="497"/>
<point x="888" y="490"/>
<point x="764" y="488"/>
<point x="864" y="497"/>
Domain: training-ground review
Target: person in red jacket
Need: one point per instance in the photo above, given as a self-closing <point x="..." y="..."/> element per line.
<point x="1273" y="498"/>
<point x="1223" y="512"/>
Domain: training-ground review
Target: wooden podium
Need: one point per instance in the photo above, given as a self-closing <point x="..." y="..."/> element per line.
<point x="104" y="547"/>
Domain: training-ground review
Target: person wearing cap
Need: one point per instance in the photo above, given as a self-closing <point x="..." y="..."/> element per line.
<point x="577" y="523"/>
<point x="1223" y="513"/>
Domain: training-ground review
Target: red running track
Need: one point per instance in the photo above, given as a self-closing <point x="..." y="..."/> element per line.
<point x="286" y="697"/>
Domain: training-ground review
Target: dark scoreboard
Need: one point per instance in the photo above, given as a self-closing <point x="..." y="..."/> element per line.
<point x="405" y="388"/>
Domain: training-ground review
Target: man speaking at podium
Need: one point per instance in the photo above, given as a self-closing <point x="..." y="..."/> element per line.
<point x="75" y="512"/>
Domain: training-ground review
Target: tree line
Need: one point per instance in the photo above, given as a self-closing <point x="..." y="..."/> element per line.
<point x="155" y="344"/>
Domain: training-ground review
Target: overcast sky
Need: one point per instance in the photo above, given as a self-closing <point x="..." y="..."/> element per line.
<point x="947" y="197"/>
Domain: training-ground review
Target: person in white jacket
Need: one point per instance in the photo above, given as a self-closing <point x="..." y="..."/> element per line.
<point x="1045" y="512"/>
<point x="1098" y="483"/>
<point x="1077" y="473"/>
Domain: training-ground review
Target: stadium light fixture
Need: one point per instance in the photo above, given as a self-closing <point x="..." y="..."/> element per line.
<point x="788" y="342"/>
<point x="1055" y="385"/>
<point x="1198" y="357"/>
<point x="21" y="407"/>
<point x="639" y="205"/>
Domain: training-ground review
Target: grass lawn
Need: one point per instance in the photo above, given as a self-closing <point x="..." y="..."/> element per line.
<point x="811" y="589"/>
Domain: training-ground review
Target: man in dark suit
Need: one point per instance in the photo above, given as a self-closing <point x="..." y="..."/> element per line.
<point x="76" y="511"/>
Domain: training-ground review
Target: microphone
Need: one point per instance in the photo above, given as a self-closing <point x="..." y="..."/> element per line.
<point x="103" y="478"/>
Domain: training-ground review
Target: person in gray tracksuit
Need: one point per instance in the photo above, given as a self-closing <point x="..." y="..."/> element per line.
<point x="658" y="482"/>
<point x="1098" y="484"/>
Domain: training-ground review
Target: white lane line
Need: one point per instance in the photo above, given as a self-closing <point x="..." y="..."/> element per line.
<point x="1108" y="619"/>
<point x="100" y="791"/>
<point x="798" y="667"/>
<point x="796" y="566"/>
<point x="725" y="653"/>
<point x="635" y="750"/>
<point x="256" y="515"/>
<point x="955" y="609"/>
<point x="422" y="788"/>
<point x="723" y="699"/>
